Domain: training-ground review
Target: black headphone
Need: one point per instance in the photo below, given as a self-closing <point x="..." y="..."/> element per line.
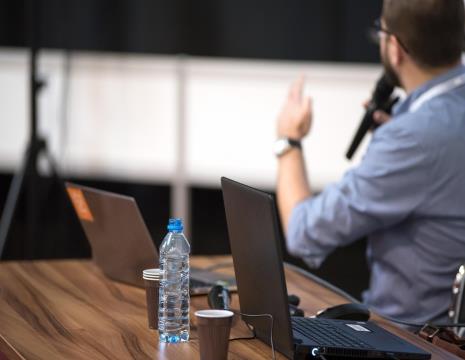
<point x="219" y="298"/>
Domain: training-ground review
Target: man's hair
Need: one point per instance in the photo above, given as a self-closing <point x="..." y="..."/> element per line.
<point x="432" y="31"/>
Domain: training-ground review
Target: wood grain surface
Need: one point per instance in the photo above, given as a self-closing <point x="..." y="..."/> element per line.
<point x="67" y="309"/>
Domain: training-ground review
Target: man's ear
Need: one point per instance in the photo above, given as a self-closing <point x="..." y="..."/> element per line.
<point x="395" y="51"/>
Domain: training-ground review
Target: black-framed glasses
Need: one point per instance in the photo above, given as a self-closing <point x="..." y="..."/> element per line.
<point x="377" y="30"/>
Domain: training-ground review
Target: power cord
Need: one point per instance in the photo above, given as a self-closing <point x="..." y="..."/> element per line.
<point x="244" y="338"/>
<point x="254" y="336"/>
<point x="253" y="330"/>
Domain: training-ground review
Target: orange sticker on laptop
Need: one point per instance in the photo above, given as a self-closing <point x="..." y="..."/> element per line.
<point x="80" y="204"/>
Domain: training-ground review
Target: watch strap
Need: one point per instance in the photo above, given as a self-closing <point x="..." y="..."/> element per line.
<point x="295" y="143"/>
<point x="284" y="145"/>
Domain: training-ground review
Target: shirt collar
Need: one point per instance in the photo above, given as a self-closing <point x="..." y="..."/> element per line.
<point x="404" y="105"/>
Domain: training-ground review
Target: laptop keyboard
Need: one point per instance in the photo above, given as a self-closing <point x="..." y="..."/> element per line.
<point x="324" y="333"/>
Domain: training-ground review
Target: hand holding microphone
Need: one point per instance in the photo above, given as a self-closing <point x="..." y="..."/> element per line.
<point x="377" y="112"/>
<point x="379" y="116"/>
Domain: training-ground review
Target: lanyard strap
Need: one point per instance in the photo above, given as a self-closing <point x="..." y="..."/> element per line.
<point x="437" y="90"/>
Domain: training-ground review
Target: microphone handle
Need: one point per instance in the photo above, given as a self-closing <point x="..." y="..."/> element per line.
<point x="363" y="128"/>
<point x="367" y="123"/>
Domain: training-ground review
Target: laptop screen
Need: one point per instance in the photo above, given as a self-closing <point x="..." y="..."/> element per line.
<point x="256" y="249"/>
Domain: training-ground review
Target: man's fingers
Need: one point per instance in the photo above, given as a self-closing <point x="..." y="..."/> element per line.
<point x="306" y="115"/>
<point x="380" y="117"/>
<point x="307" y="105"/>
<point x="296" y="89"/>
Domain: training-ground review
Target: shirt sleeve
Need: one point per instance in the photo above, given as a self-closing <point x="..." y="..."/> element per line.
<point x="387" y="186"/>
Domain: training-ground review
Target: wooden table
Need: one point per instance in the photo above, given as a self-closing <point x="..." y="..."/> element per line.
<point x="67" y="309"/>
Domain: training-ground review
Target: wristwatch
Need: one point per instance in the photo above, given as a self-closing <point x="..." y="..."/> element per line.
<point x="283" y="145"/>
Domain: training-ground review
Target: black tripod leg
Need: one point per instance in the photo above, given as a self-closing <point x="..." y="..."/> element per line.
<point x="11" y="204"/>
<point x="36" y="247"/>
<point x="32" y="240"/>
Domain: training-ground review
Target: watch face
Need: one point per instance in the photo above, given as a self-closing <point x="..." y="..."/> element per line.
<point x="281" y="146"/>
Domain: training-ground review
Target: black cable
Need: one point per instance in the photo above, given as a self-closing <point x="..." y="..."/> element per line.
<point x="350" y="298"/>
<point x="299" y="270"/>
<point x="303" y="272"/>
<point x="322" y="282"/>
<point x="454" y="325"/>
<point x="231" y="339"/>
<point x="400" y="322"/>
<point x="253" y="337"/>
<point x="244" y="338"/>
<point x="414" y="324"/>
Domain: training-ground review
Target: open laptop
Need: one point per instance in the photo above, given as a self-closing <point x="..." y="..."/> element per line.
<point x="256" y="248"/>
<point x="121" y="244"/>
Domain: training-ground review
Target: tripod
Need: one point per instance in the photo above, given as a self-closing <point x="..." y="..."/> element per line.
<point x="26" y="178"/>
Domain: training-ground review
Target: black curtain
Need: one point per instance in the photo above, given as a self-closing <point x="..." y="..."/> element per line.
<point x="319" y="30"/>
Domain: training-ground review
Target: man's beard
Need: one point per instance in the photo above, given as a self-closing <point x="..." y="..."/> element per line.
<point x="391" y="75"/>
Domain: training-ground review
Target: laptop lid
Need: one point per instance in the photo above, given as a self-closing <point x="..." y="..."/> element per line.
<point x="255" y="244"/>
<point x="121" y="244"/>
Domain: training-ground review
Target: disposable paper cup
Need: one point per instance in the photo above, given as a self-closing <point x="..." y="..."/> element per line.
<point x="152" y="284"/>
<point x="213" y="328"/>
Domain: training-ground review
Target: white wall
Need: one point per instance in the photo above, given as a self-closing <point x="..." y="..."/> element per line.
<point x="13" y="108"/>
<point x="113" y="115"/>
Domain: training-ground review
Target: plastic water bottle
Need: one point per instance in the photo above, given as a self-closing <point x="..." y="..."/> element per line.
<point x="173" y="316"/>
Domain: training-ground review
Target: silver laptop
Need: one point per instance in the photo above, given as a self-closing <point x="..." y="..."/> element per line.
<point x="121" y="244"/>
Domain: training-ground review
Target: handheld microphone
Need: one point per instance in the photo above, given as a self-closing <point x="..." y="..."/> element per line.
<point x="380" y="100"/>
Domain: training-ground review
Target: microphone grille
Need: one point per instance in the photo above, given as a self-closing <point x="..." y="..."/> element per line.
<point x="383" y="90"/>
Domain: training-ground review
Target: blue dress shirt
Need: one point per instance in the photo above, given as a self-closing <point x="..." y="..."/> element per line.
<point x="408" y="196"/>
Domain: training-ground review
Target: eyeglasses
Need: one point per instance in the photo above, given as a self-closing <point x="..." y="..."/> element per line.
<point x="378" y="30"/>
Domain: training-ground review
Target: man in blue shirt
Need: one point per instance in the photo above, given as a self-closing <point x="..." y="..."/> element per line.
<point x="408" y="193"/>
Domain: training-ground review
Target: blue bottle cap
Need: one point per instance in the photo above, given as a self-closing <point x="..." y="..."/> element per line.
<point x="175" y="225"/>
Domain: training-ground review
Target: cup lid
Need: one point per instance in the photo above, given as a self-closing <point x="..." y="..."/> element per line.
<point x="214" y="313"/>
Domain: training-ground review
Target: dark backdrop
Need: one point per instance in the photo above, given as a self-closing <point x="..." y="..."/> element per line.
<point x="323" y="30"/>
